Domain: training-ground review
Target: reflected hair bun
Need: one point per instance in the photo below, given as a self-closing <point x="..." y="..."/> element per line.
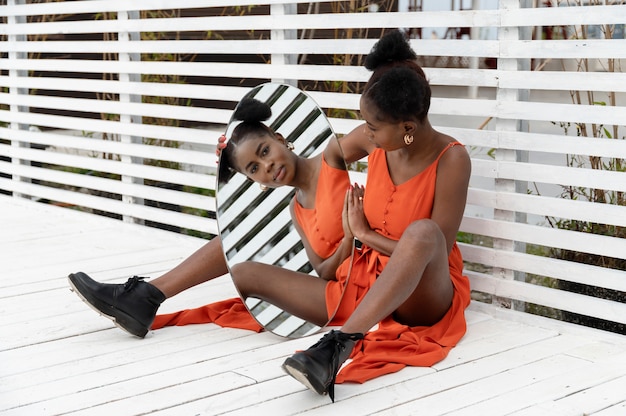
<point x="392" y="47"/>
<point x="250" y="110"/>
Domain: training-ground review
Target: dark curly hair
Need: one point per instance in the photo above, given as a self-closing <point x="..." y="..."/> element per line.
<point x="252" y="113"/>
<point x="398" y="86"/>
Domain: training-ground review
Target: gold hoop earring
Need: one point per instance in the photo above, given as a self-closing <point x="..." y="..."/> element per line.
<point x="263" y="187"/>
<point x="290" y="146"/>
<point x="408" y="139"/>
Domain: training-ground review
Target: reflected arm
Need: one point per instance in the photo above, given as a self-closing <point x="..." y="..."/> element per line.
<point x="325" y="268"/>
<point x="355" y="145"/>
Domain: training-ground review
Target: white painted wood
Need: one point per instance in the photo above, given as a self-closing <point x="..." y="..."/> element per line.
<point x="545" y="206"/>
<point x="116" y="107"/>
<point x="64" y="358"/>
<point x="592" y="178"/>
<point x="545" y="266"/>
<point x="360" y="46"/>
<point x="553" y="298"/>
<point x="455" y="114"/>
<point x="91" y="125"/>
<point x="73" y="143"/>
<point x="540" y="142"/>
<point x="559" y="238"/>
<point x="273" y="21"/>
<point x="225" y="93"/>
<point x="114" y="5"/>
<point x="484" y="18"/>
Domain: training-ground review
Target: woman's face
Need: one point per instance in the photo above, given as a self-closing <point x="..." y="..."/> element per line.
<point x="383" y="134"/>
<point x="265" y="160"/>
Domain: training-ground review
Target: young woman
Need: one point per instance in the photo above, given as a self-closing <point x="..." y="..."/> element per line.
<point x="265" y="157"/>
<point x="408" y="275"/>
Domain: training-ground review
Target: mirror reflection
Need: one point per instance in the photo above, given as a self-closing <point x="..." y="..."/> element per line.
<point x="284" y="210"/>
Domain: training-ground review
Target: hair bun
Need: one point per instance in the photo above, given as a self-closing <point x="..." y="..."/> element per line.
<point x="252" y="110"/>
<point x="392" y="47"/>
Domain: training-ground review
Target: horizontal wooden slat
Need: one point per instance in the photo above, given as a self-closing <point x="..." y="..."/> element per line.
<point x="562" y="80"/>
<point x="554" y="298"/>
<point x="605" y="115"/>
<point x="544" y="236"/>
<point x="64" y="142"/>
<point x="585" y="48"/>
<point x="535" y="172"/>
<point x="545" y="266"/>
<point x="176" y="198"/>
<point x="178" y="219"/>
<point x="557" y="112"/>
<point x="62" y="158"/>
<point x="252" y="47"/>
<point x="549" y="206"/>
<point x="563" y="49"/>
<point x="155" y="173"/>
<point x="181" y="134"/>
<point x="483" y="18"/>
<point x="157" y="89"/>
<point x="95" y="6"/>
<point x="175" y="112"/>
<point x="564" y="15"/>
<point x="200" y="69"/>
<point x="539" y="142"/>
<point x="473" y="18"/>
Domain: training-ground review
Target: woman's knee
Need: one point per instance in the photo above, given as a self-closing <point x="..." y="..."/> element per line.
<point x="424" y="232"/>
<point x="243" y="276"/>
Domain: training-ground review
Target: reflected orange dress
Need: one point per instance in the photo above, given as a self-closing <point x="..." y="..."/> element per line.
<point x="389" y="209"/>
<point x="322" y="224"/>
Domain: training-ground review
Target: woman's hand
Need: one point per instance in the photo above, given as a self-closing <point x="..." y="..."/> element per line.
<point x="221" y="145"/>
<point x="347" y="232"/>
<point x="357" y="223"/>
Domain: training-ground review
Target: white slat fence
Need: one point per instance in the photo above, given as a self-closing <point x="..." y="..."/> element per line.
<point x="115" y="107"/>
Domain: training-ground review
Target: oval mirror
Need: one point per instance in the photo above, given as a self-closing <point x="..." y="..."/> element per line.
<point x="256" y="225"/>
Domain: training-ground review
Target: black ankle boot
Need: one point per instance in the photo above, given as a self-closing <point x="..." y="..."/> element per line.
<point x="317" y="367"/>
<point x="132" y="306"/>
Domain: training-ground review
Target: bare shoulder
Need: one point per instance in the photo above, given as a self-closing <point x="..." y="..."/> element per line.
<point x="333" y="155"/>
<point x="456" y="161"/>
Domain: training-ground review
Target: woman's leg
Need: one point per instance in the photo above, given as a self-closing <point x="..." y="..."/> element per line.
<point x="415" y="285"/>
<point x="205" y="264"/>
<point x="133" y="305"/>
<point x="300" y="294"/>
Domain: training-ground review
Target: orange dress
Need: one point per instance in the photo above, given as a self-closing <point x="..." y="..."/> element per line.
<point x="322" y="224"/>
<point x="390" y="209"/>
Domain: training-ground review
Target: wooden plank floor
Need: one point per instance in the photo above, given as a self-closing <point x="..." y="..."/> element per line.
<point x="58" y="357"/>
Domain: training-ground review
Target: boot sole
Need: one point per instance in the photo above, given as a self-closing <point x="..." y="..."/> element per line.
<point x="298" y="371"/>
<point x="122" y="320"/>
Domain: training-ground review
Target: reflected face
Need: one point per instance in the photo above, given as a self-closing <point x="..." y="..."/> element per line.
<point x="383" y="134"/>
<point x="265" y="160"/>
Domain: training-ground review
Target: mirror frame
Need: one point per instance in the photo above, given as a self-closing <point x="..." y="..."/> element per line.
<point x="256" y="225"/>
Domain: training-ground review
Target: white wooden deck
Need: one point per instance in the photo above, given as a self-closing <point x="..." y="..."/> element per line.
<point x="58" y="357"/>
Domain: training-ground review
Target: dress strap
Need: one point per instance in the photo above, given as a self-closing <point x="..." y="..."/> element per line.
<point x="445" y="149"/>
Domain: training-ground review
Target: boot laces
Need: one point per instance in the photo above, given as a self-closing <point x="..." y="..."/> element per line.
<point x="132" y="283"/>
<point x="338" y="341"/>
